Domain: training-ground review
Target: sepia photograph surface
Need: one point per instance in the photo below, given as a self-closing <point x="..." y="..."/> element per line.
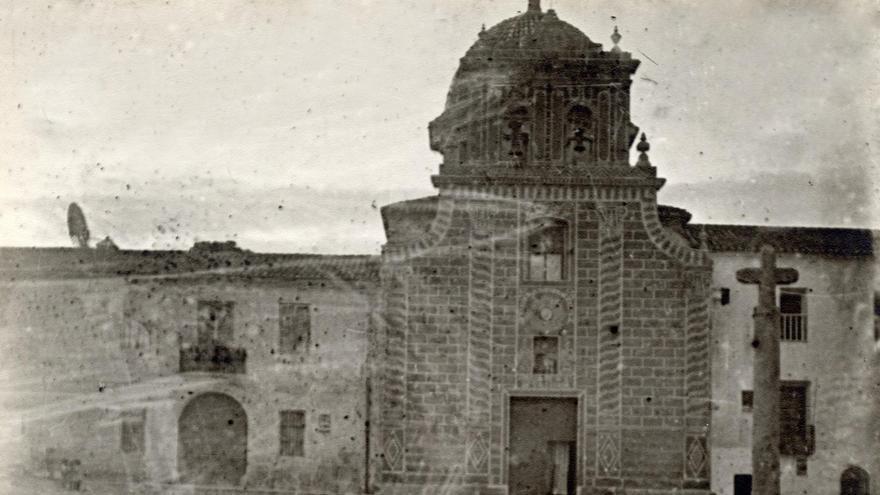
<point x="500" y="247"/>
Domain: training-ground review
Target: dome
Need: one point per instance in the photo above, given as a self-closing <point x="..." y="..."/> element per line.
<point x="534" y="89"/>
<point x="521" y="46"/>
<point x="534" y="33"/>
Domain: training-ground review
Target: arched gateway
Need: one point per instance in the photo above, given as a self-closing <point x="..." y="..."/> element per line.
<point x="212" y="441"/>
<point x="854" y="481"/>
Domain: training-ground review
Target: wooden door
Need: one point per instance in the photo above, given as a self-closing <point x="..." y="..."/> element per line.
<point x="542" y="446"/>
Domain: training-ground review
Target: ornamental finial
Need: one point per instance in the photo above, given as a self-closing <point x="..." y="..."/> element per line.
<point x="704" y="239"/>
<point x="615" y="37"/>
<point x="534" y="5"/>
<point x="643" y="147"/>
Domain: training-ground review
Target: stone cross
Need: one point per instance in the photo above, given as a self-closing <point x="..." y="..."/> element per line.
<point x="765" y="374"/>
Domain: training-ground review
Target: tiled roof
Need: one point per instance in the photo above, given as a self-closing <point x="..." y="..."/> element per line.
<point x="802" y="240"/>
<point x="404" y="220"/>
<point x="66" y="263"/>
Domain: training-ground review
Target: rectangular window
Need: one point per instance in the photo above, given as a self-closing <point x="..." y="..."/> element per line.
<point x="793" y="313"/>
<point x="216" y="323"/>
<point x="546" y="355"/>
<point x="748" y="400"/>
<point x="132" y="436"/>
<point x="324" y="423"/>
<point x="725" y="296"/>
<point x="793" y="434"/>
<point x="293" y="429"/>
<point x="742" y="484"/>
<point x="295" y="327"/>
<point x="546" y="252"/>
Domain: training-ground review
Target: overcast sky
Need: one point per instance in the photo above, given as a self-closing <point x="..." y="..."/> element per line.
<point x="284" y="125"/>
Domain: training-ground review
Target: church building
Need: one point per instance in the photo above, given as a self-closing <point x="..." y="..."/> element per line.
<point x="539" y="326"/>
<point x="545" y="333"/>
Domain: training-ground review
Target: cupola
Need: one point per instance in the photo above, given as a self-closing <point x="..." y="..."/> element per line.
<point x="534" y="92"/>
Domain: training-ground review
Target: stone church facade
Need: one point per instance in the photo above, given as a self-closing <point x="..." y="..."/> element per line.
<point x="540" y="325"/>
<point x="540" y="277"/>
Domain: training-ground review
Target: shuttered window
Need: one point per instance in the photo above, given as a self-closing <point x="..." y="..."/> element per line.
<point x="132" y="436"/>
<point x="216" y="323"/>
<point x="793" y="418"/>
<point x="295" y="327"/>
<point x="293" y="428"/>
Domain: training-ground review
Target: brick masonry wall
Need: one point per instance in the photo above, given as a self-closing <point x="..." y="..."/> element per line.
<point x="633" y="345"/>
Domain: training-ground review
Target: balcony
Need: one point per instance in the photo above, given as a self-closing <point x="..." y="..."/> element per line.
<point x="793" y="328"/>
<point x="212" y="359"/>
<point x="801" y="445"/>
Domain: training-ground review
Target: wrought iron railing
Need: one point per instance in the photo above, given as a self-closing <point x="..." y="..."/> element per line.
<point x="799" y="445"/>
<point x="212" y="358"/>
<point x="793" y="328"/>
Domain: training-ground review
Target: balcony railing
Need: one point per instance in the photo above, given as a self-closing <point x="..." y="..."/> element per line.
<point x="213" y="359"/>
<point x="793" y="328"/>
<point x="799" y="445"/>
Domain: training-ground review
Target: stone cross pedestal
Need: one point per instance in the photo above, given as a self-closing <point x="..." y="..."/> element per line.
<point x="765" y="411"/>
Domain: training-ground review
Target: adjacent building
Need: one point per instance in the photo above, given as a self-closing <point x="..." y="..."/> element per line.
<point x="214" y="366"/>
<point x="830" y="390"/>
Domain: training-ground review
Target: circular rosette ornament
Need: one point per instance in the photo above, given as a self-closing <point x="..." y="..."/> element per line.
<point x="546" y="313"/>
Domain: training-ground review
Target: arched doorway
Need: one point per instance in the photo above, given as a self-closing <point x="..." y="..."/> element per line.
<point x="854" y="481"/>
<point x="212" y="441"/>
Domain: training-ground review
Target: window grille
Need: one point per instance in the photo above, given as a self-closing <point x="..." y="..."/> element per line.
<point x="793" y="314"/>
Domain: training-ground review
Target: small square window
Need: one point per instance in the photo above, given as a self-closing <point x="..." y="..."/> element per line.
<point x="324" y="423"/>
<point x="546" y="355"/>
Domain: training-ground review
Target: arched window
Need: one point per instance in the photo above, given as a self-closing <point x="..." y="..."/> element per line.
<point x="580" y="122"/>
<point x="854" y="481"/>
<point x="516" y="133"/>
<point x="546" y="251"/>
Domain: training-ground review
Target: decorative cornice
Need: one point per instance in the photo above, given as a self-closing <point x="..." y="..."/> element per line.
<point x="396" y="253"/>
<point x="671" y="245"/>
<point x="442" y="181"/>
<point x="545" y="192"/>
